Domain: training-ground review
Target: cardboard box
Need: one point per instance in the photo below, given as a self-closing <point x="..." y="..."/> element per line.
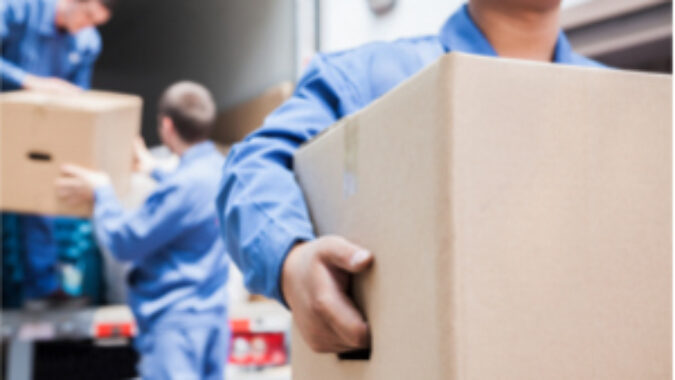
<point x="237" y="122"/>
<point x="41" y="132"/>
<point x="520" y="217"/>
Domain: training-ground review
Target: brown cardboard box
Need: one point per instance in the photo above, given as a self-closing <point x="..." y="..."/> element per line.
<point x="237" y="122"/>
<point x="41" y="132"/>
<point x="520" y="217"/>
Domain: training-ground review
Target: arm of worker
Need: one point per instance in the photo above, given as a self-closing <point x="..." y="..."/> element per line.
<point x="130" y="236"/>
<point x="13" y="14"/>
<point x="262" y="210"/>
<point x="266" y="225"/>
<point x="12" y="75"/>
<point x="145" y="163"/>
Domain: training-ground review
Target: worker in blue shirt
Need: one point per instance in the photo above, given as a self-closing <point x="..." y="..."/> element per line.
<point x="50" y="44"/>
<point x="47" y="45"/>
<point x="264" y="219"/>
<point x="179" y="266"/>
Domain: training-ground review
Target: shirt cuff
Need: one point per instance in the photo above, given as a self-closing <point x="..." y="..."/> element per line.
<point x="275" y="239"/>
<point x="104" y="194"/>
<point x="13" y="75"/>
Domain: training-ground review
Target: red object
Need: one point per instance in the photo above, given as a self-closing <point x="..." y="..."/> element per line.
<point x="240" y="326"/>
<point x="114" y="330"/>
<point x="257" y="349"/>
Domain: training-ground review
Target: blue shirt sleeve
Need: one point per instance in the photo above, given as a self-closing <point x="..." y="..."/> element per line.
<point x="260" y="205"/>
<point x="12" y="12"/>
<point x="11" y="74"/>
<point x="131" y="236"/>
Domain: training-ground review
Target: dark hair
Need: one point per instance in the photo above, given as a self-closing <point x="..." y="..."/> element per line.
<point x="190" y="107"/>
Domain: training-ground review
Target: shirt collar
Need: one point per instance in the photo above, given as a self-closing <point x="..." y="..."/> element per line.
<point x="48" y="18"/>
<point x="460" y="33"/>
<point x="197" y="151"/>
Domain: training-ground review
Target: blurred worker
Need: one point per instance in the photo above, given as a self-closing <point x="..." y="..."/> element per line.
<point x="265" y="221"/>
<point x="179" y="267"/>
<point x="48" y="45"/>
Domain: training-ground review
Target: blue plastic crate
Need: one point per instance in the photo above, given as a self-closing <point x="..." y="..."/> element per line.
<point x="78" y="255"/>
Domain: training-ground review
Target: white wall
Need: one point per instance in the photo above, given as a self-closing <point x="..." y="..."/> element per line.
<point x="348" y="23"/>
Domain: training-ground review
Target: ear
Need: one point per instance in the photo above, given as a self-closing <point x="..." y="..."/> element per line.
<point x="166" y="126"/>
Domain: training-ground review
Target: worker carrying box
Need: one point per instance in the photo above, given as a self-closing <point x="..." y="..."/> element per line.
<point x="508" y="244"/>
<point x="47" y="46"/>
<point x="179" y="267"/>
<point x="420" y="249"/>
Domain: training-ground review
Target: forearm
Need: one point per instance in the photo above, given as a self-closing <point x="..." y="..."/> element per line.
<point x="260" y="230"/>
<point x="133" y="235"/>
<point x="108" y="217"/>
<point x="261" y="206"/>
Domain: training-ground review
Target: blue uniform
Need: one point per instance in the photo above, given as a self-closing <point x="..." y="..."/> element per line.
<point x="31" y="43"/>
<point x="179" y="268"/>
<point x="261" y="206"/>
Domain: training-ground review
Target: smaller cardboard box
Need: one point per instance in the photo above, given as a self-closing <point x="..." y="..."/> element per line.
<point x="235" y="123"/>
<point x="41" y="132"/>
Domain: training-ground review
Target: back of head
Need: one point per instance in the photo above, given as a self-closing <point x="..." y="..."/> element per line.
<point x="191" y="108"/>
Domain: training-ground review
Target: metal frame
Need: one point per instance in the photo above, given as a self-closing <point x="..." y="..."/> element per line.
<point x="622" y="33"/>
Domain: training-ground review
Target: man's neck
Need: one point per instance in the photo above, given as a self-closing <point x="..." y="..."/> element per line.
<point x="183" y="147"/>
<point x="180" y="150"/>
<point x="517" y="33"/>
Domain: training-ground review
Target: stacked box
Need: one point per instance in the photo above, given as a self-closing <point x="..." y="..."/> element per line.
<point x="41" y="132"/>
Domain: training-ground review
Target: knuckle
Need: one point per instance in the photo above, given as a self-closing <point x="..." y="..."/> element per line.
<point x="322" y="349"/>
<point x="314" y="345"/>
<point x="318" y="346"/>
<point x="321" y="304"/>
<point x="358" y="336"/>
<point x="331" y="240"/>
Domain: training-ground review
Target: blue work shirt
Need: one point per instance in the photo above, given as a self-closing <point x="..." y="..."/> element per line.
<point x="179" y="266"/>
<point x="32" y="44"/>
<point x="260" y="204"/>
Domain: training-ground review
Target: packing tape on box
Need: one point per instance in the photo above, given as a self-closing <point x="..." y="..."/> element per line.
<point x="350" y="178"/>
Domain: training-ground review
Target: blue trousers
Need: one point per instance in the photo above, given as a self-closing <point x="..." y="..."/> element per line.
<point x="195" y="349"/>
<point x="41" y="275"/>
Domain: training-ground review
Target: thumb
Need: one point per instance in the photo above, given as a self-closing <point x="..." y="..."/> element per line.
<point x="138" y="144"/>
<point x="344" y="254"/>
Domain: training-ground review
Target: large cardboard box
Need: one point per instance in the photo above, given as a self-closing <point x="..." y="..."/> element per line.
<point x="520" y="218"/>
<point x="40" y="132"/>
<point x="235" y="123"/>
